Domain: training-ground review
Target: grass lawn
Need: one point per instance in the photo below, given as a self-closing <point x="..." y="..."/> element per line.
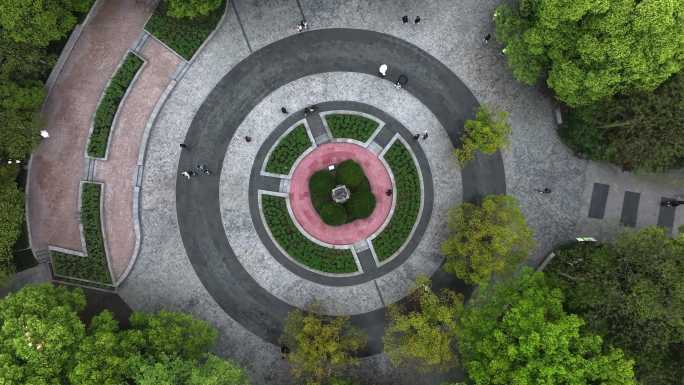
<point x="184" y="35"/>
<point x="288" y="149"/>
<point x="94" y="266"/>
<point x="388" y="242"/>
<point x="351" y="126"/>
<point x="104" y="116"/>
<point x="297" y="245"/>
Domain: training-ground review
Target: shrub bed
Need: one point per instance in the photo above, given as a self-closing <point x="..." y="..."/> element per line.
<point x="297" y="245"/>
<point x="104" y="116"/>
<point x="288" y="149"/>
<point x="407" y="202"/>
<point x="183" y="35"/>
<point x="93" y="267"/>
<point x="361" y="202"/>
<point x="351" y="126"/>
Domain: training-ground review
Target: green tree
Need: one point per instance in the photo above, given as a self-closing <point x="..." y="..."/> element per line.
<point x="516" y="332"/>
<point x="39" y="22"/>
<point x="486" y="239"/>
<point x="589" y="50"/>
<point x="320" y="346"/>
<point x="423" y="333"/>
<point x="42" y="341"/>
<point x="487" y="134"/>
<point x="11" y="220"/>
<point x="192" y="8"/>
<point x="632" y="293"/>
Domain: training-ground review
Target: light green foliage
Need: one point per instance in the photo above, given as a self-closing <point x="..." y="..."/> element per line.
<point x="39" y="334"/>
<point x="39" y="22"/>
<point x="191" y="8"/>
<point x="588" y="50"/>
<point x="43" y="341"/>
<point x="516" y="332"/>
<point x="488" y="239"/>
<point x="11" y="219"/>
<point x="320" y="347"/>
<point x="632" y="293"/>
<point x="423" y="334"/>
<point x="487" y="134"/>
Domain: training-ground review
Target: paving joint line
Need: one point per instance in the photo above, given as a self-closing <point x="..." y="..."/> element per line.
<point x="242" y="27"/>
<point x="382" y="301"/>
<point x="301" y="10"/>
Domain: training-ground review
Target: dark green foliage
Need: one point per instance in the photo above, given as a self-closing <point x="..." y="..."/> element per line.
<point x="351" y="126"/>
<point x="191" y="8"/>
<point x="630" y="292"/>
<point x="183" y="35"/>
<point x="11" y="219"/>
<point x="321" y="185"/>
<point x="93" y="267"/>
<point x="350" y="174"/>
<point x="288" y="149"/>
<point x="297" y="245"/>
<point x="333" y="213"/>
<point x="361" y="205"/>
<point x="408" y="197"/>
<point x="641" y="131"/>
<point x="104" y="116"/>
<point x="361" y="201"/>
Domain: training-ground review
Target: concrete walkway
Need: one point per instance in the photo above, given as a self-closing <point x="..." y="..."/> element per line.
<point x="59" y="164"/>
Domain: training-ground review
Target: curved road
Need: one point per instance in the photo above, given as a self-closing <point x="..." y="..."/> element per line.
<point x="271" y="67"/>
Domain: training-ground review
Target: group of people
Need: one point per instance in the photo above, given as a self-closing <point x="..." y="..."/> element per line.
<point x="201" y="168"/>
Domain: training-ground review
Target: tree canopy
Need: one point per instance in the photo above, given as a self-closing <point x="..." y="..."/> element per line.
<point x="43" y="341"/>
<point x="588" y="50"/>
<point x="517" y="332"/>
<point x="487" y="133"/>
<point x="11" y="219"/>
<point x="632" y="293"/>
<point x="422" y="334"/>
<point x="192" y="8"/>
<point x="321" y="347"/>
<point x="486" y="239"/>
<point x="39" y="22"/>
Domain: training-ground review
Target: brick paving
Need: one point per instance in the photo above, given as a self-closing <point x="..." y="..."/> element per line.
<point x="305" y="213"/>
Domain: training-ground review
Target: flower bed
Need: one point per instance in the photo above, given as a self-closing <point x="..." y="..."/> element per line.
<point x="92" y="267"/>
<point x="297" y="246"/>
<point x="104" y="116"/>
<point x="408" y="194"/>
<point x="183" y="35"/>
<point x="361" y="201"/>
<point x="351" y="126"/>
<point x="288" y="149"/>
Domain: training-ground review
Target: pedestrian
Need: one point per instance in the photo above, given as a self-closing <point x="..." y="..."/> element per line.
<point x="487" y="37"/>
<point x="383" y="70"/>
<point x="425" y="135"/>
<point x="404" y="19"/>
<point x="546" y="190"/>
<point x="283" y="110"/>
<point x="416" y="20"/>
<point x="416" y="136"/>
<point x="204" y="169"/>
<point x="303" y="25"/>
<point x="397" y="85"/>
<point x="671" y="203"/>
<point x="44" y="134"/>
<point x="248" y="138"/>
<point x="188" y="174"/>
<point x="184" y="146"/>
<point x="284" y="351"/>
<point x="388" y="192"/>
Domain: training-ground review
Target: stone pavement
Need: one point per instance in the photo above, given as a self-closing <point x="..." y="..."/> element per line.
<point x="306" y="214"/>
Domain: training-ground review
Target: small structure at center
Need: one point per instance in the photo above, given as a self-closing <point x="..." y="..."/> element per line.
<point x="340" y="194"/>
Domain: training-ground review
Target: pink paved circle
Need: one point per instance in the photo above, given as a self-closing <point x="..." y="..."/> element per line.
<point x="305" y="213"/>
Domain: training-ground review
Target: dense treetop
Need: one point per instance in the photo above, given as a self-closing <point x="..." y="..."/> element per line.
<point x="588" y="50"/>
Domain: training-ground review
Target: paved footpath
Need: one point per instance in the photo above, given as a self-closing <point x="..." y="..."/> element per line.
<point x="59" y="164"/>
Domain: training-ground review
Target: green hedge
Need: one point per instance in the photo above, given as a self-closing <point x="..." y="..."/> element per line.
<point x="297" y="245"/>
<point x="288" y="149"/>
<point x="408" y="202"/>
<point x="351" y="126"/>
<point x="183" y="35"/>
<point x="333" y="213"/>
<point x="350" y="174"/>
<point x="361" y="205"/>
<point x="93" y="267"/>
<point x="104" y="116"/>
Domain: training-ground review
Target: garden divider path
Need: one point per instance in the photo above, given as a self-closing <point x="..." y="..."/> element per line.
<point x="59" y="163"/>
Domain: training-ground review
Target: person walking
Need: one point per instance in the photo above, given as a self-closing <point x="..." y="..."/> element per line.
<point x="248" y="138"/>
<point x="546" y="190"/>
<point x="189" y="174"/>
<point x="44" y="134"/>
<point x="184" y="146"/>
<point x="383" y="70"/>
<point x="388" y="192"/>
<point x="671" y="203"/>
<point x="404" y="19"/>
<point x="203" y="168"/>
<point x="416" y="136"/>
<point x="487" y="38"/>
<point x="416" y="20"/>
<point x="283" y="110"/>
<point x="425" y="135"/>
